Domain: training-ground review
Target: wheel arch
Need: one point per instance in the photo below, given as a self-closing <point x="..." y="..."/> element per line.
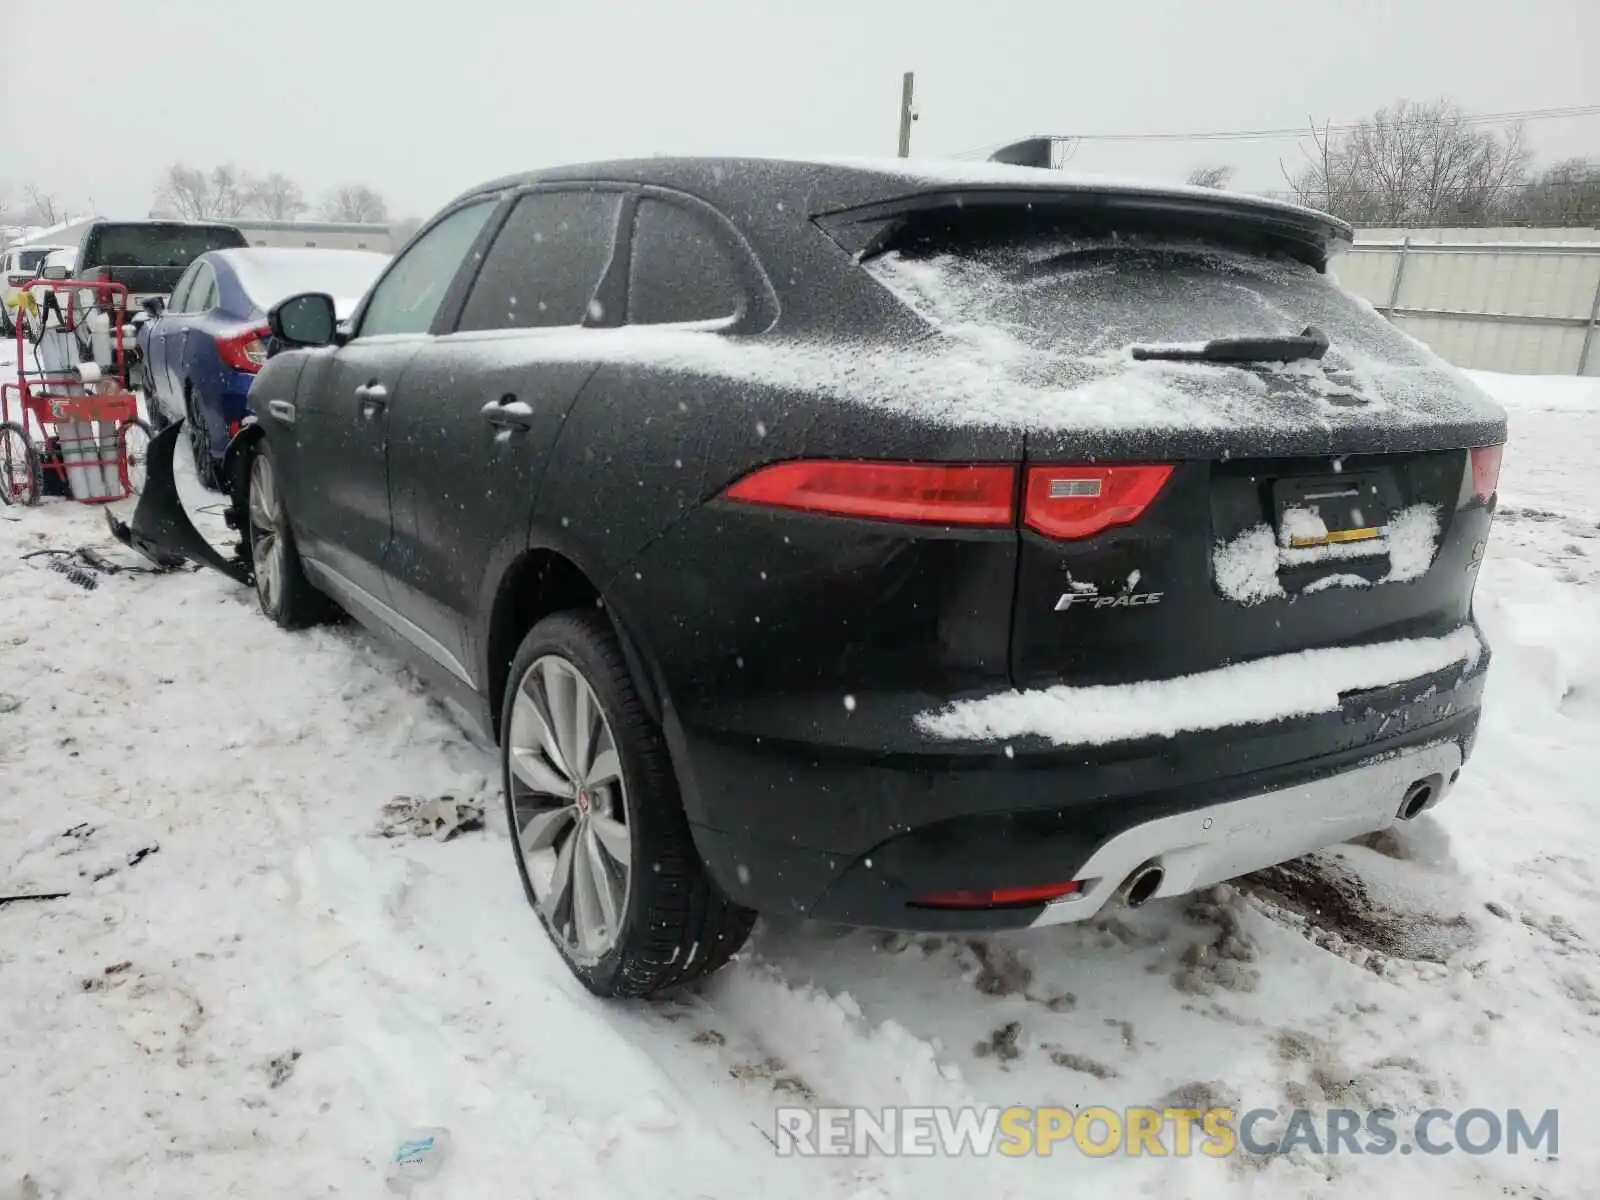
<point x="540" y="582"/>
<point x="236" y="462"/>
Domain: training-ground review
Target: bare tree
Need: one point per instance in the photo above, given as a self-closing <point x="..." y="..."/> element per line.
<point x="1566" y="194"/>
<point x="185" y="192"/>
<point x="278" y="198"/>
<point x="45" y="207"/>
<point x="355" y="202"/>
<point x="1216" y="176"/>
<point x="195" y="195"/>
<point x="231" y="191"/>
<point x="1411" y="164"/>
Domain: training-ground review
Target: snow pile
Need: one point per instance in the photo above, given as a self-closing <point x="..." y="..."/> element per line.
<point x="1541" y="393"/>
<point x="1267" y="689"/>
<point x="1246" y="566"/>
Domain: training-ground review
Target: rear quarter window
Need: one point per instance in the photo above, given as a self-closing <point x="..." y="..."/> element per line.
<point x="680" y="270"/>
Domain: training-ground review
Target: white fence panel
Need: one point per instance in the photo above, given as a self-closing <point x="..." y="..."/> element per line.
<point x="1528" y="304"/>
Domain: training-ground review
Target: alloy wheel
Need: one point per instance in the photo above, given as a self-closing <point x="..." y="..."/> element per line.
<point x="266" y="533"/>
<point x="569" y="803"/>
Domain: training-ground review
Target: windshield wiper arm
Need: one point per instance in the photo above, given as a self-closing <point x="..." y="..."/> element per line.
<point x="1309" y="343"/>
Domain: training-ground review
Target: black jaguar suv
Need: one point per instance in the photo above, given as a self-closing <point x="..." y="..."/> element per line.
<point x="902" y="545"/>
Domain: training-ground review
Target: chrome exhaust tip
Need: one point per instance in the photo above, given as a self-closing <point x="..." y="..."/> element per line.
<point x="1143" y="883"/>
<point x="1418" y="797"/>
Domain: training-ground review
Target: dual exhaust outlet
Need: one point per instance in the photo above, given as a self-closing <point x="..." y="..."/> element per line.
<point x="1420" y="796"/>
<point x="1144" y="881"/>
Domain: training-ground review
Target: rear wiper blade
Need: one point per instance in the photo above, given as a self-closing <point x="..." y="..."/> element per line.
<point x="1309" y="343"/>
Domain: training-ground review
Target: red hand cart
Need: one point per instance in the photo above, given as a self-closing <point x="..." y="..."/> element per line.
<point x="75" y="415"/>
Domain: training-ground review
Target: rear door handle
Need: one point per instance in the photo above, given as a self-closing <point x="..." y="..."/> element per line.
<point x="508" y="413"/>
<point x="373" y="397"/>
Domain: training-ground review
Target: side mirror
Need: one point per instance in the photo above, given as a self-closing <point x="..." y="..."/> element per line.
<point x="155" y="306"/>
<point x="304" y="320"/>
<point x="54" y="273"/>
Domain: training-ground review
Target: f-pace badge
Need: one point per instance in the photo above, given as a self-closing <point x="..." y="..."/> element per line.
<point x="1085" y="595"/>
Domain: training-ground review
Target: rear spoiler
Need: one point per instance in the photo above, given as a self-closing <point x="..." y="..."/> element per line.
<point x="1302" y="233"/>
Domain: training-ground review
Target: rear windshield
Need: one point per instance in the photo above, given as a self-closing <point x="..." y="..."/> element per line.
<point x="272" y="275"/>
<point x="158" y="245"/>
<point x="1055" y="309"/>
<point x="1095" y="296"/>
<point x="29" y="260"/>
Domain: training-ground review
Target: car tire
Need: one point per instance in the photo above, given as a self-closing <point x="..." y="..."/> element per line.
<point x="205" y="466"/>
<point x="282" y="589"/>
<point x="673" y="925"/>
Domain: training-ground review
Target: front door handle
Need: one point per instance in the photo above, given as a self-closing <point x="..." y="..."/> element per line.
<point x="508" y="413"/>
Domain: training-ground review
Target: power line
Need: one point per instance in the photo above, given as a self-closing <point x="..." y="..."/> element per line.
<point x="1241" y="135"/>
<point x="1505" y="118"/>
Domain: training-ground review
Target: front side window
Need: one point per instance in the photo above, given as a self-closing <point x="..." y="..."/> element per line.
<point x="407" y="298"/>
<point x="546" y="263"/>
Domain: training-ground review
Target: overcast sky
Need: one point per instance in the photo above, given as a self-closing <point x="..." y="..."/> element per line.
<point x="421" y="100"/>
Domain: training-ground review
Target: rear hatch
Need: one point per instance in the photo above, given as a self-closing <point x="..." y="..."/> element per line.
<point x="1190" y="501"/>
<point x="148" y="257"/>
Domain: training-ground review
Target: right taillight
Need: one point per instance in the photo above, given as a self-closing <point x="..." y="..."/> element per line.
<point x="1081" y="501"/>
<point x="1486" y="471"/>
<point x="930" y="493"/>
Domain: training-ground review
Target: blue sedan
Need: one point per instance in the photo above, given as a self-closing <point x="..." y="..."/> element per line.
<point x="203" y="351"/>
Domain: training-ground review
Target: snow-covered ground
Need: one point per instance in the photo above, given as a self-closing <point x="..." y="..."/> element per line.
<point x="249" y="991"/>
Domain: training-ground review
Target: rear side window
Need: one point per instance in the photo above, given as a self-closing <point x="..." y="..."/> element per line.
<point x="546" y="263"/>
<point x="680" y="271"/>
<point x="180" y="293"/>
<point x="157" y="245"/>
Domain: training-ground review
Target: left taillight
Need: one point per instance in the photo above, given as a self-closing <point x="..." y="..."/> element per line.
<point x="1081" y="501"/>
<point x="1486" y="471"/>
<point x="245" y="351"/>
<point x="925" y="493"/>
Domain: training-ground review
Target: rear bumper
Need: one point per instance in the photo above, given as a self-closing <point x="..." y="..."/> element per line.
<point x="853" y="838"/>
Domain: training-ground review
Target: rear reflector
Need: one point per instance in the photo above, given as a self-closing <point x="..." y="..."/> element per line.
<point x="942" y="494"/>
<point x="998" y="897"/>
<point x="1079" y="502"/>
<point x="1486" y="471"/>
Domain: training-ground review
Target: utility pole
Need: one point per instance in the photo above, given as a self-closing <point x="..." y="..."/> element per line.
<point x="907" y="114"/>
